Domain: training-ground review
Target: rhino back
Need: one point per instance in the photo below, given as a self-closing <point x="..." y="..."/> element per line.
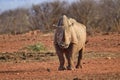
<point x="79" y="31"/>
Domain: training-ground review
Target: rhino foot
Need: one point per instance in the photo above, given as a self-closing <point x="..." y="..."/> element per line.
<point x="70" y="68"/>
<point x="61" y="68"/>
<point x="79" y="66"/>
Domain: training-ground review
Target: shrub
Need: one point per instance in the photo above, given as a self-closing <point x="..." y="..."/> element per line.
<point x="36" y="47"/>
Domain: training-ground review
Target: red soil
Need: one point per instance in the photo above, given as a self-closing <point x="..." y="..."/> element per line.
<point x="93" y="69"/>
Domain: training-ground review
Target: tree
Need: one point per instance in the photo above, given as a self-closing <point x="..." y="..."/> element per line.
<point x="47" y="14"/>
<point x="110" y="15"/>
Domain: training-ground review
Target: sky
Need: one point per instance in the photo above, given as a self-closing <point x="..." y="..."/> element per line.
<point x="13" y="4"/>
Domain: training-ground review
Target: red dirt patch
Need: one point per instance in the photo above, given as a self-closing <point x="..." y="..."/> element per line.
<point x="100" y="43"/>
<point x="48" y="70"/>
<point x="105" y="68"/>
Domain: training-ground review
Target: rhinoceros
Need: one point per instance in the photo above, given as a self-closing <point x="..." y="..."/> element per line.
<point x="69" y="39"/>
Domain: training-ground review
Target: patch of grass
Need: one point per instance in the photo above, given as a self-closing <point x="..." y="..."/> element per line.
<point x="93" y="55"/>
<point x="26" y="57"/>
<point x="36" y="47"/>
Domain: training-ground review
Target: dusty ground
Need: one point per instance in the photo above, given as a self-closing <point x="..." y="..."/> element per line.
<point x="101" y="60"/>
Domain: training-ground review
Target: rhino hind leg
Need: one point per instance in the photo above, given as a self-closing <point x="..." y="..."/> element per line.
<point x="79" y="65"/>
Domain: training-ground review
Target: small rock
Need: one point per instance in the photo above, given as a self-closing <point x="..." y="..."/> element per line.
<point x="118" y="44"/>
<point x="108" y="57"/>
<point x="84" y="63"/>
<point x="48" y="70"/>
<point x="76" y="78"/>
<point x="17" y="73"/>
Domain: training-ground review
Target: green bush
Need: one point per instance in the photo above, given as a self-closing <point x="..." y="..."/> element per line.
<point x="36" y="47"/>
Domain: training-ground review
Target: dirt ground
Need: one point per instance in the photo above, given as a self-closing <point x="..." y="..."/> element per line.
<point x="101" y="60"/>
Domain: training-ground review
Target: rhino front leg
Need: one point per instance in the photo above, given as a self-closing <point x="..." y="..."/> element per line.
<point x="79" y="65"/>
<point x="60" y="55"/>
<point x="70" y="59"/>
<point x="61" y="60"/>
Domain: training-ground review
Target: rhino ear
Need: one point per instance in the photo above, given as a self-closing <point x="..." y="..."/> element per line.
<point x="64" y="17"/>
<point x="70" y="23"/>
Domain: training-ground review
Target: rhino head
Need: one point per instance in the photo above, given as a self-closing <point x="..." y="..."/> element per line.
<point x="64" y="27"/>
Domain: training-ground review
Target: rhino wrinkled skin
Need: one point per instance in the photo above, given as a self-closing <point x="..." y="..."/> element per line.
<point x="69" y="39"/>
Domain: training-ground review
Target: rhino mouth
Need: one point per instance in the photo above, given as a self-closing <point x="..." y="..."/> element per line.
<point x="64" y="46"/>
